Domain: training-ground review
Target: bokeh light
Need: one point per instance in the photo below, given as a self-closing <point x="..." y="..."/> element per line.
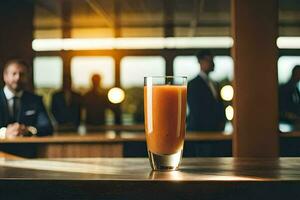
<point x="116" y="95"/>
<point x="227" y="93"/>
<point x="229" y="112"/>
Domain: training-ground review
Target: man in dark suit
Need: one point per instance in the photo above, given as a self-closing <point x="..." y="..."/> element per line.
<point x="96" y="102"/>
<point x="21" y="112"/>
<point x="289" y="99"/>
<point x="206" y="110"/>
<point x="66" y="105"/>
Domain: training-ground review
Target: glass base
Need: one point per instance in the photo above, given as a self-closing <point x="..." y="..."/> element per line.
<point x="167" y="162"/>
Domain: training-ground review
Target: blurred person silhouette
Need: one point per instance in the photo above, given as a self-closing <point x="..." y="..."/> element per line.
<point x="96" y="102"/>
<point x="66" y="105"/>
<point x="289" y="99"/>
<point x="21" y="112"/>
<point x="206" y="110"/>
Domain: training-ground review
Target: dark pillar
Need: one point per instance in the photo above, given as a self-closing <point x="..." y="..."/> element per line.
<point x="66" y="33"/>
<point x="118" y="110"/>
<point x="169" y="58"/>
<point x="255" y="29"/>
<point x="168" y="18"/>
<point x="16" y="35"/>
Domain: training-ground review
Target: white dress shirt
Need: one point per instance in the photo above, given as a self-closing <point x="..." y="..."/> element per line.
<point x="209" y="83"/>
<point x="9" y="95"/>
<point x="10" y="99"/>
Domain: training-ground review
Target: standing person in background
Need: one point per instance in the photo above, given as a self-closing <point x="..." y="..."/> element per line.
<point x="289" y="99"/>
<point x="66" y="105"/>
<point x="96" y="102"/>
<point x="206" y="110"/>
<point x="21" y="112"/>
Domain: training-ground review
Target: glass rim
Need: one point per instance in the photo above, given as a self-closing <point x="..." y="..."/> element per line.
<point x="184" y="77"/>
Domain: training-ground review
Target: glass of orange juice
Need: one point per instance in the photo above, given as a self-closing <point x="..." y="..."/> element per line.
<point x="165" y="113"/>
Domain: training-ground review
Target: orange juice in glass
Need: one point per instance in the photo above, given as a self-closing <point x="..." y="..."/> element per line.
<point x="165" y="113"/>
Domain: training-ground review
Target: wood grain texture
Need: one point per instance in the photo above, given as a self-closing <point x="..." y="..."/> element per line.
<point x="128" y="144"/>
<point x="108" y="137"/>
<point x="255" y="54"/>
<point x="4" y="155"/>
<point x="119" y="178"/>
<point x="78" y="150"/>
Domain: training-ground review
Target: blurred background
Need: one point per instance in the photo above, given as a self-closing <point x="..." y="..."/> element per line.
<point x="124" y="41"/>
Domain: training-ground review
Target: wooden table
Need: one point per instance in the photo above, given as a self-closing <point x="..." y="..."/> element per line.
<point x="101" y="144"/>
<point x="132" y="178"/>
<point x="128" y="144"/>
<point x="101" y="128"/>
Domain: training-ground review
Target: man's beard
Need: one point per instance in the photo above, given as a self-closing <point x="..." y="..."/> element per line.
<point x="16" y="87"/>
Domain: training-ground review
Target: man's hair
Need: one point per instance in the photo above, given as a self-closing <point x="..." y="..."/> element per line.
<point x="15" y="61"/>
<point x="203" y="53"/>
<point x="296" y="68"/>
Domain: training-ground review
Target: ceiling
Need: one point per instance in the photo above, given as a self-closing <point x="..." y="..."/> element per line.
<point x="146" y="18"/>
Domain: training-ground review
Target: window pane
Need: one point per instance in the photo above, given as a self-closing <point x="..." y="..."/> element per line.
<point x="135" y="68"/>
<point x="189" y="66"/>
<point x="285" y="66"/>
<point x="47" y="72"/>
<point x="82" y="69"/>
<point x="47" y="76"/>
<point x="223" y="68"/>
<point x="133" y="71"/>
<point x="186" y="66"/>
<point x="288" y="98"/>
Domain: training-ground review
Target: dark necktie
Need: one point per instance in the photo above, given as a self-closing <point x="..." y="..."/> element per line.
<point x="15" y="108"/>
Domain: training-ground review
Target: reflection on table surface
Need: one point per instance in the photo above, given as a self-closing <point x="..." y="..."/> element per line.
<point x="191" y="169"/>
<point x="132" y="178"/>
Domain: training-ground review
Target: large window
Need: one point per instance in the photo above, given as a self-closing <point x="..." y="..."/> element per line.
<point x="43" y="67"/>
<point x="223" y="73"/>
<point x="189" y="66"/>
<point x="285" y="67"/>
<point x="133" y="71"/>
<point x="135" y="68"/>
<point x="82" y="69"/>
<point x="47" y="76"/>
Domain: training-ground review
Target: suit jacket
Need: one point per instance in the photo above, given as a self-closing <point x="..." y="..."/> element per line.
<point x="63" y="113"/>
<point x="206" y="112"/>
<point x="95" y="105"/>
<point x="289" y="102"/>
<point x="32" y="113"/>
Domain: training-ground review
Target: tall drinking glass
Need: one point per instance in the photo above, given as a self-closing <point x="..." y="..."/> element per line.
<point x="165" y="113"/>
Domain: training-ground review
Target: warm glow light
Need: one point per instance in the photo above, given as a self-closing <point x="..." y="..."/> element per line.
<point x="47" y="44"/>
<point x="198" y="42"/>
<point x="110" y="134"/>
<point x="288" y="42"/>
<point x="131" y="43"/>
<point x="172" y="175"/>
<point x="116" y="95"/>
<point x="147" y="43"/>
<point x="229" y="112"/>
<point x="72" y="44"/>
<point x="86" y="44"/>
<point x="227" y="93"/>
<point x="139" y="43"/>
<point x="231" y="178"/>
